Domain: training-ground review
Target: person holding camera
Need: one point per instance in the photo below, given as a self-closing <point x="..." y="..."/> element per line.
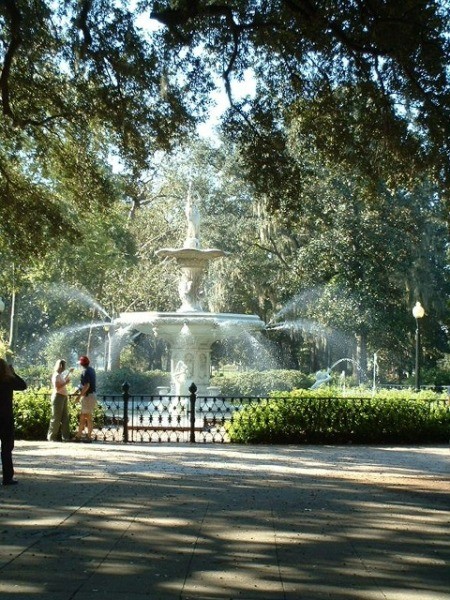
<point x="9" y="382"/>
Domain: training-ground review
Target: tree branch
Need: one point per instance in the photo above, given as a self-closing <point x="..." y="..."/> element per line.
<point x="173" y="17"/>
<point x="81" y="23"/>
<point x="15" y="19"/>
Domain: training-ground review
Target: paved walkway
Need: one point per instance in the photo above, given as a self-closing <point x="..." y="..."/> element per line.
<point x="166" y="522"/>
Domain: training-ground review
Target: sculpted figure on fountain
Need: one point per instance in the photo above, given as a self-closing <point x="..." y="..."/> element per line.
<point x="193" y="223"/>
<point x="180" y="378"/>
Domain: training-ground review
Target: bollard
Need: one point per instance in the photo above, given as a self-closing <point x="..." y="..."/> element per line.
<point x="126" y="397"/>
<point x="192" y="399"/>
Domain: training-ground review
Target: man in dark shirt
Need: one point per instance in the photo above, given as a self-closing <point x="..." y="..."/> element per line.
<point x="87" y="392"/>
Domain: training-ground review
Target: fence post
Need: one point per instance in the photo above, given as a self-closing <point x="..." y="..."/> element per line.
<point x="126" y="397"/>
<point x="192" y="399"/>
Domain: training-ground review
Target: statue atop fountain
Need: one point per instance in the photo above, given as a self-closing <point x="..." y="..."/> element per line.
<point x="193" y="229"/>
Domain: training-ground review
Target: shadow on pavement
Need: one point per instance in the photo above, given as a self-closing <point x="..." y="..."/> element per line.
<point x="208" y="523"/>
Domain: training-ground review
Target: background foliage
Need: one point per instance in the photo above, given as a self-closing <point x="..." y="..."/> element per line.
<point x="328" y="182"/>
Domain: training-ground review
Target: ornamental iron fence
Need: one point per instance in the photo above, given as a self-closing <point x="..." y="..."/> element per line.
<point x="197" y="419"/>
<point x="129" y="418"/>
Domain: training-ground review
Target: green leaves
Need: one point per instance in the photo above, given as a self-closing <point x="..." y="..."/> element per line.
<point x="83" y="80"/>
<point x="308" y="418"/>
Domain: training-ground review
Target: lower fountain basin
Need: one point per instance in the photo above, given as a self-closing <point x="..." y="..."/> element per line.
<point x="190" y="336"/>
<point x="217" y="325"/>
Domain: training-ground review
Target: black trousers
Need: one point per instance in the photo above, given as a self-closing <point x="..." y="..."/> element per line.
<point x="7" y="441"/>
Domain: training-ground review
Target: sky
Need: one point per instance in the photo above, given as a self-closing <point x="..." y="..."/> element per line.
<point x="239" y="89"/>
<point x="220" y="102"/>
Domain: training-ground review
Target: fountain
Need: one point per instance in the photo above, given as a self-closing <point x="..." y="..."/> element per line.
<point x="324" y="376"/>
<point x="191" y="330"/>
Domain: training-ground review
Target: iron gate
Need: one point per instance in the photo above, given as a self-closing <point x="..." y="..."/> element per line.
<point x="165" y="418"/>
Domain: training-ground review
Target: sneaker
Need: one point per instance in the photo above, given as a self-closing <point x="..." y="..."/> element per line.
<point x="10" y="482"/>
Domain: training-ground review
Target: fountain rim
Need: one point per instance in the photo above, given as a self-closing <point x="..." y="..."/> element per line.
<point x="192" y="253"/>
<point x="152" y="316"/>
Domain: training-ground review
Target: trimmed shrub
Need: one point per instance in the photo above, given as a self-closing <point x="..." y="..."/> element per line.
<point x="302" y="418"/>
<point x="108" y="382"/>
<point x="141" y="383"/>
<point x="260" y="383"/>
<point x="32" y="410"/>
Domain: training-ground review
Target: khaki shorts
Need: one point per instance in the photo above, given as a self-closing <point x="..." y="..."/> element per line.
<point x="88" y="403"/>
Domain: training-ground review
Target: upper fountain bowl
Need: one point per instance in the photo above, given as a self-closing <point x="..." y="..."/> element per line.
<point x="191" y="256"/>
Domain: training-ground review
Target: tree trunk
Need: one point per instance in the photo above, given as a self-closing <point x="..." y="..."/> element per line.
<point x="361" y="357"/>
<point x="115" y="347"/>
<point x="13" y="324"/>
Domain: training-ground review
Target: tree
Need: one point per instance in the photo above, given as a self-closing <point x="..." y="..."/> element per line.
<point x="83" y="81"/>
<point x="362" y="261"/>
<point x="346" y="72"/>
<point x="72" y="287"/>
<point x="78" y="84"/>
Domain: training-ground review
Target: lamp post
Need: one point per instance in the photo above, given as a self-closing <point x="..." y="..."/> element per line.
<point x="418" y="312"/>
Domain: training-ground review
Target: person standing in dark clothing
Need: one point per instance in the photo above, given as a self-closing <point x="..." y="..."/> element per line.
<point x="9" y="381"/>
<point x="88" y="398"/>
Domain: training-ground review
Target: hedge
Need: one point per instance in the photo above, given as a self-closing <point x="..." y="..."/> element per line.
<point x="301" y="416"/>
<point x="322" y="419"/>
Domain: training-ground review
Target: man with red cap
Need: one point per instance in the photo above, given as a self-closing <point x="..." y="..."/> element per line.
<point x="87" y="394"/>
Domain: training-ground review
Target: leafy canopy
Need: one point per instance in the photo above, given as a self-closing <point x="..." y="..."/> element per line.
<point x="366" y="82"/>
<point x="79" y="83"/>
<point x="84" y="80"/>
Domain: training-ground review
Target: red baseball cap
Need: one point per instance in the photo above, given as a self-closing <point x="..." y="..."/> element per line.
<point x="84" y="361"/>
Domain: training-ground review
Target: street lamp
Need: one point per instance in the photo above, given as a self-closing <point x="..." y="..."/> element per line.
<point x="418" y="312"/>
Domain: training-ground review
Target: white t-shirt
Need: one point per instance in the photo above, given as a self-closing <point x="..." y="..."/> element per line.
<point x="57" y="381"/>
